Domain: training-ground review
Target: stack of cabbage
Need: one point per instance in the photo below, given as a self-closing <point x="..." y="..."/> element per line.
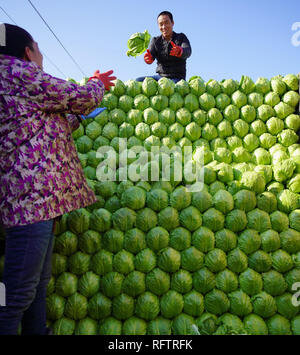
<point x="151" y="257"/>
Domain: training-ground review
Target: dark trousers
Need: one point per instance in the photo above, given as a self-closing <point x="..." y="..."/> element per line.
<point x="156" y="77"/>
<point x="27" y="271"/>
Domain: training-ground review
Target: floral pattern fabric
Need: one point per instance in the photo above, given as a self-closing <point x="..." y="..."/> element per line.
<point x="40" y="173"/>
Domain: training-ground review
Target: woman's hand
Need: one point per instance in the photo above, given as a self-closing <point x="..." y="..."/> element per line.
<point x="148" y="57"/>
<point x="176" y="51"/>
<point x="106" y="78"/>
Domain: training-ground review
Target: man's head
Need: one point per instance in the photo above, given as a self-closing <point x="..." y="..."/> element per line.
<point x="19" y="43"/>
<point x="165" y="23"/>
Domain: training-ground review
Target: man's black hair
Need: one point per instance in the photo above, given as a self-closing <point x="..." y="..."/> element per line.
<point x="16" y="40"/>
<point x="166" y="13"/>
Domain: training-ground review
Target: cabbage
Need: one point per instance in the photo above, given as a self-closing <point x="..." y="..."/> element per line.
<point x="182" y="88"/>
<point x="138" y="43"/>
<point x="66" y="284"/>
<point x="181" y="281"/>
<point x="249" y="241"/>
<point x="157" y="238"/>
<point x="171" y="304"/>
<point x="253" y="181"/>
<point x="197" y="86"/>
<point x="88" y="284"/>
<point x="134" y="326"/>
<point x="270" y="240"/>
<point x="145" y="260"/>
<point x="191" y="259"/>
<point x="255" y="99"/>
<point x="281" y="261"/>
<point x="123" y="219"/>
<point x="215" y="260"/>
<point x="101" y="262"/>
<point x="291" y="98"/>
<point x="225" y="240"/>
<point x="110" y="326"/>
<point x="292" y="122"/>
<point x="159" y="326"/>
<point x="158" y="281"/>
<point x="86" y="326"/>
<point x="250" y="281"/>
<point x="248" y="113"/>
<point x="272" y="99"/>
<point x="255" y="325"/>
<point x="294" y="219"/>
<point x="260" y="261"/>
<point x="279" y="221"/>
<point x="290" y="240"/>
<point x="226" y="281"/>
<point x="76" y="307"/>
<point x="147" y="306"/>
<point x="63" y="326"/>
<point x="207" y="323"/>
<point x="264" y="305"/>
<point x="169" y="259"/>
<point x="274" y="283"/>
<point x="204" y="280"/>
<point x="184" y="324"/>
<point x="287" y="201"/>
<point x="240" y="303"/>
<point x="279" y="325"/>
<point x="180" y="238"/>
<point x="236" y="220"/>
<point x="216" y="302"/>
<point x="203" y="239"/>
<point x="259" y="220"/>
<point x="237" y="260"/>
<point x="213" y="219"/>
<point x="122" y="306"/>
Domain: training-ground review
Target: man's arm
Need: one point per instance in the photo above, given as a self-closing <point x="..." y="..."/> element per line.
<point x="185" y="45"/>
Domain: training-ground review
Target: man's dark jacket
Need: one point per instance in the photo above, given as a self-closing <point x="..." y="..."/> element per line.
<point x="167" y="65"/>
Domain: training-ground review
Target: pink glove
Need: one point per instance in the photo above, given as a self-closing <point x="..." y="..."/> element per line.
<point x="176" y="51"/>
<point x="106" y="78"/>
<point x="148" y="57"/>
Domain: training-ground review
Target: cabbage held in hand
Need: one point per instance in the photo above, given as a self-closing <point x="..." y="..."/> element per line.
<point x="138" y="43"/>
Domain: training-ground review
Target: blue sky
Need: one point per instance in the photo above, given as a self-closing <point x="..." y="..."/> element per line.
<point x="229" y="38"/>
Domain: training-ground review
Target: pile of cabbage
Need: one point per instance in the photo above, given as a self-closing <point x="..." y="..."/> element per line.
<point x="157" y="257"/>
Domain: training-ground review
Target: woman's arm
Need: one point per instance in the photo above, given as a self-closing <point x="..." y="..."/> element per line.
<point x="52" y="94"/>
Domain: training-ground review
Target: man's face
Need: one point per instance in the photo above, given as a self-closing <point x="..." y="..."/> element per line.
<point x="35" y="55"/>
<point x="165" y="26"/>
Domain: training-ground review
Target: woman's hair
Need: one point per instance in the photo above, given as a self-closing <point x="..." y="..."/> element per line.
<point x="166" y="13"/>
<point x="16" y="39"/>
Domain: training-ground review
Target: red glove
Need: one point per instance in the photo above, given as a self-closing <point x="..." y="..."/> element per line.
<point x="176" y="51"/>
<point x="106" y="78"/>
<point x="148" y="57"/>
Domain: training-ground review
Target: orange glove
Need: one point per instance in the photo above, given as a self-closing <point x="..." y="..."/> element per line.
<point x="148" y="57"/>
<point x="106" y="78"/>
<point x="176" y="51"/>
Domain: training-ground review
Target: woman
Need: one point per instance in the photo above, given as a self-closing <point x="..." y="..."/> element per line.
<point x="40" y="174"/>
<point x="171" y="50"/>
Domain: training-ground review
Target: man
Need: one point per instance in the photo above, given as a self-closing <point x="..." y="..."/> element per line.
<point x="171" y="50"/>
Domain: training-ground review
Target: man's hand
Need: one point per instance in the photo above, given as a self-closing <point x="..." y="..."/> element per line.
<point x="176" y="51"/>
<point x="106" y="78"/>
<point x="148" y="57"/>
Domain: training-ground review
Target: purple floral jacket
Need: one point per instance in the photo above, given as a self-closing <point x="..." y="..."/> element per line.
<point x="40" y="173"/>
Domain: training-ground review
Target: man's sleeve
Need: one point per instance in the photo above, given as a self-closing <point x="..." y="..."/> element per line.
<point x="187" y="50"/>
